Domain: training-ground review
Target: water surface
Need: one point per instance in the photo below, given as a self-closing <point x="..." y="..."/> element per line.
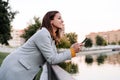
<point x="98" y="67"/>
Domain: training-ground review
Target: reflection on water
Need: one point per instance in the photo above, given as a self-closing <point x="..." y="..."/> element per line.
<point x="97" y="67"/>
<point x="99" y="59"/>
<point x="89" y="59"/>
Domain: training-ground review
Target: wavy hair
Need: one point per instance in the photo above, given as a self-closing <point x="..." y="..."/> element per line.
<point x="47" y="24"/>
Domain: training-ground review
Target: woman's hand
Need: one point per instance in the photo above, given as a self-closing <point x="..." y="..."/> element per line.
<point x="77" y="47"/>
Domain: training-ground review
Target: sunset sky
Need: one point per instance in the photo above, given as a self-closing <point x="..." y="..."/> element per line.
<point x="80" y="16"/>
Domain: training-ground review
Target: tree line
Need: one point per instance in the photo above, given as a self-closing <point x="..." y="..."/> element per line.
<point x="6" y="17"/>
<point x="66" y="41"/>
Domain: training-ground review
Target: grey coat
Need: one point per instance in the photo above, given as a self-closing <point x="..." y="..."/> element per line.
<point x="24" y="63"/>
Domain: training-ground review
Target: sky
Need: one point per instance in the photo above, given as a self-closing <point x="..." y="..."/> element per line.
<point x="80" y="16"/>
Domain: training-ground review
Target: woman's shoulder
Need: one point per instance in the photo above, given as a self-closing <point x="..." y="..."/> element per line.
<point x="42" y="33"/>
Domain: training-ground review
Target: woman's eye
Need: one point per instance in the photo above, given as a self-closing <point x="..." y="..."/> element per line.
<point x="59" y="17"/>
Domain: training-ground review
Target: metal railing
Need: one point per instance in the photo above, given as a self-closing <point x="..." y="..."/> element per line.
<point x="55" y="72"/>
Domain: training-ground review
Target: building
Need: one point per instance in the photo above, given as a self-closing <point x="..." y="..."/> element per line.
<point x="109" y="36"/>
<point x="16" y="39"/>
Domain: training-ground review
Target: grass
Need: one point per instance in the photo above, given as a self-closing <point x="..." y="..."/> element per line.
<point x="2" y="56"/>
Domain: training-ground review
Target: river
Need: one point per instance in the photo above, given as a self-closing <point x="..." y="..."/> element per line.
<point x="97" y="67"/>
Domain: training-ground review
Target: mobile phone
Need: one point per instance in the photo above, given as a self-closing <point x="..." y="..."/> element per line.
<point x="84" y="40"/>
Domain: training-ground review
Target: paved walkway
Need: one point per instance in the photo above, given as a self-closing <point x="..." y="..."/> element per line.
<point x="6" y="49"/>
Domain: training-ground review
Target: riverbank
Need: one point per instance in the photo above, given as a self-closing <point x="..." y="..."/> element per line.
<point x="108" y="51"/>
<point x="100" y="50"/>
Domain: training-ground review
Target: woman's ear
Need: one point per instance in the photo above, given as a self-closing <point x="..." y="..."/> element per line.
<point x="51" y="22"/>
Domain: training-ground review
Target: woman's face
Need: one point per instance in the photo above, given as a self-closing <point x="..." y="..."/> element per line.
<point x="57" y="21"/>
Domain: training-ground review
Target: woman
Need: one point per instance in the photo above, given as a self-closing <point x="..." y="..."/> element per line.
<point x="25" y="62"/>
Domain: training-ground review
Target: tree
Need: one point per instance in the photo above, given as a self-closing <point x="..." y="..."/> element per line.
<point x="6" y="17"/>
<point x="100" y="41"/>
<point x="72" y="37"/>
<point x="64" y="43"/>
<point x="104" y="42"/>
<point x="31" y="29"/>
<point x="67" y="40"/>
<point x="113" y="43"/>
<point x="88" y="43"/>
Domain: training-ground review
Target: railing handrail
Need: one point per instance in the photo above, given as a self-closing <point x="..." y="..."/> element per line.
<point x="61" y="74"/>
<point x="55" y="72"/>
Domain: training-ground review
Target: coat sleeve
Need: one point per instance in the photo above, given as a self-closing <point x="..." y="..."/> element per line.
<point x="44" y="43"/>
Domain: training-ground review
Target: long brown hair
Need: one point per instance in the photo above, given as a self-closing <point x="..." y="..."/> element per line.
<point x="46" y="23"/>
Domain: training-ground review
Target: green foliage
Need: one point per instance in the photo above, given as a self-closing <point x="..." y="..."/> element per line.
<point x="104" y="42"/>
<point x="69" y="67"/>
<point x="100" y="41"/>
<point x="2" y="56"/>
<point x="101" y="59"/>
<point x="113" y="43"/>
<point x="88" y="43"/>
<point x="6" y="17"/>
<point x="67" y="40"/>
<point x="88" y="59"/>
<point x="64" y="43"/>
<point x="72" y="37"/>
<point x="31" y="29"/>
<point x="37" y="77"/>
<point x="118" y="42"/>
